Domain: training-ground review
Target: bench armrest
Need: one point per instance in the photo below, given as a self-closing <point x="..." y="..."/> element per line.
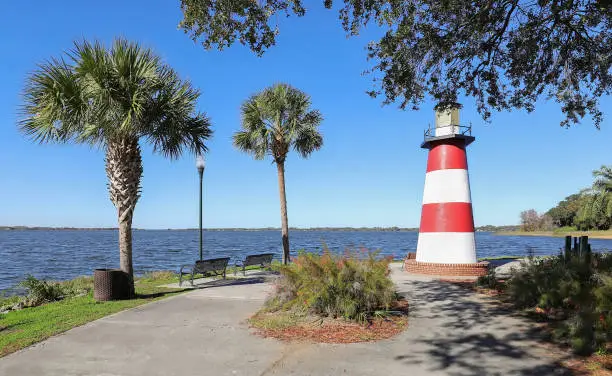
<point x="189" y="268"/>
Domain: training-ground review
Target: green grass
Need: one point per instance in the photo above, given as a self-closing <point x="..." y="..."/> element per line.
<point x="22" y="328"/>
<point x="500" y="258"/>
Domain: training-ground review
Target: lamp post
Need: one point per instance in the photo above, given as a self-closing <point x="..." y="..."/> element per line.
<point x="200" y="164"/>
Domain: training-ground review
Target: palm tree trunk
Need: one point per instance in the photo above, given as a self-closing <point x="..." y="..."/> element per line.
<point x="124" y="169"/>
<point x="283" y="208"/>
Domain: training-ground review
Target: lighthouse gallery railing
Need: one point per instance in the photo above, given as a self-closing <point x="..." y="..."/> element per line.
<point x="430" y="132"/>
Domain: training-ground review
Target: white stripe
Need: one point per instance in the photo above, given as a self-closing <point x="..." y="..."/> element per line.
<point x="447" y="186"/>
<point x="446" y="247"/>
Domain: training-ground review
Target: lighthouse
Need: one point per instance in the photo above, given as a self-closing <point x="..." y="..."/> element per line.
<point x="446" y="244"/>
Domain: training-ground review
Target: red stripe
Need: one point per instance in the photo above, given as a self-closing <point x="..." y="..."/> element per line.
<point x="447" y="217"/>
<point x="446" y="156"/>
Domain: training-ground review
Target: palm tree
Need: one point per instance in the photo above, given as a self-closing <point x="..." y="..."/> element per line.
<point x="596" y="203"/>
<point x="113" y="98"/>
<point x="274" y="121"/>
<point x="603" y="179"/>
<point x="603" y="185"/>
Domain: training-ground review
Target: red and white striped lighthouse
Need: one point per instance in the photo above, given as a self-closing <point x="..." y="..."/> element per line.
<point x="446" y="244"/>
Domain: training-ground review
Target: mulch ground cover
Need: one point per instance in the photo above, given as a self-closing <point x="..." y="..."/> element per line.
<point x="329" y="330"/>
<point x="594" y="365"/>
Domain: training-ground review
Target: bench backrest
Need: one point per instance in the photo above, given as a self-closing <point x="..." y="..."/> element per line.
<point x="261" y="259"/>
<point x="211" y="264"/>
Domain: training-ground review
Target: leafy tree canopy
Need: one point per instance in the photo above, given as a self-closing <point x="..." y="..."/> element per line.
<point x="590" y="208"/>
<point x="564" y="213"/>
<point x="504" y="53"/>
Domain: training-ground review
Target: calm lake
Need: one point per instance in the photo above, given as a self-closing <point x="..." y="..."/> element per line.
<point x="69" y="253"/>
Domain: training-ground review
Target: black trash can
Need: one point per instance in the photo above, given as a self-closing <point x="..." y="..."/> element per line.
<point x="111" y="284"/>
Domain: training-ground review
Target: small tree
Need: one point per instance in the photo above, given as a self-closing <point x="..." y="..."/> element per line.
<point x="530" y="220"/>
<point x="545" y="223"/>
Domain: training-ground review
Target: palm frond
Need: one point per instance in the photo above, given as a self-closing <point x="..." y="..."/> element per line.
<point x="307" y="141"/>
<point x="255" y="135"/>
<point x="54" y="106"/>
<point x="172" y="136"/>
<point x="168" y="121"/>
<point x="603" y="179"/>
<point x="276" y="119"/>
<point x="105" y="94"/>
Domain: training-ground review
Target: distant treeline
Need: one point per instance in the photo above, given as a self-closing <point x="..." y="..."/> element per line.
<point x="490" y="228"/>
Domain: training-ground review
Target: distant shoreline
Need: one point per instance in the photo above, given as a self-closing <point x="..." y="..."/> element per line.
<point x="364" y="229"/>
<point x="605" y="234"/>
<point x="41" y="228"/>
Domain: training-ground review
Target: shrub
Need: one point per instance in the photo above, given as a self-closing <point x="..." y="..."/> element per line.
<point x="603" y="299"/>
<point x="577" y="289"/>
<point x="489" y="280"/>
<point x="346" y="285"/>
<point x="40" y="291"/>
<point x="8" y="302"/>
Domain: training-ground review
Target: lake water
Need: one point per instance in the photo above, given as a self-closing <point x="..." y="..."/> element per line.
<point x="66" y="254"/>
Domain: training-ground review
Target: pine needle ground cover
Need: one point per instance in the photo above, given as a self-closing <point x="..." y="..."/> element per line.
<point x="334" y="299"/>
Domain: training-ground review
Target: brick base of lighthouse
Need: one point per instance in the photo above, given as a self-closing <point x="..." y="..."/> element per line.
<point x="477" y="269"/>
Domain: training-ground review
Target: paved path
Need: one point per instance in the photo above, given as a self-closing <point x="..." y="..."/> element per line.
<point x="452" y="332"/>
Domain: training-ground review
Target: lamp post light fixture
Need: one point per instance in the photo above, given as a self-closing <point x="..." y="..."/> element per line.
<point x="200" y="164"/>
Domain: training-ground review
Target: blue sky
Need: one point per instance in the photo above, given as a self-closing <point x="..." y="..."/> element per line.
<point x="369" y="173"/>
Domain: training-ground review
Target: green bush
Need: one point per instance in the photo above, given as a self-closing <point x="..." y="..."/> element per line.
<point x="603" y="303"/>
<point x="578" y="290"/>
<point x="346" y="285"/>
<point x="489" y="280"/>
<point x="40" y="291"/>
<point x="542" y="282"/>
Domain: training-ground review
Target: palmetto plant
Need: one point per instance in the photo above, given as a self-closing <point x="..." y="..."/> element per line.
<point x="274" y="121"/>
<point x="113" y="98"/>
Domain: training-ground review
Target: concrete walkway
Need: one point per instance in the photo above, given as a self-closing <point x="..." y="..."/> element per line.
<point x="452" y="332"/>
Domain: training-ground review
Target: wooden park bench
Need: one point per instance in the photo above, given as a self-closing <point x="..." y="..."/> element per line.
<point x="216" y="266"/>
<point x="263" y="260"/>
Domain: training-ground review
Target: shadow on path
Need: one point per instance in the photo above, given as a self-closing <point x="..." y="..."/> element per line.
<point x="459" y="332"/>
<point x="160" y="294"/>
<point x="230" y="282"/>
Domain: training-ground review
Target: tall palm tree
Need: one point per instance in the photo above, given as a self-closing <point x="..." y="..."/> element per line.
<point x="114" y="98"/>
<point x="274" y="121"/>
